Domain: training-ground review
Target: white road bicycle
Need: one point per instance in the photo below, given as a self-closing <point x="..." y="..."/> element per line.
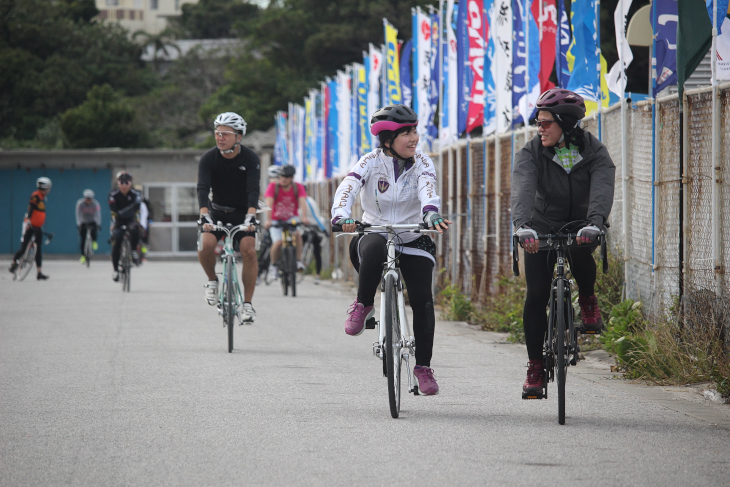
<point x="396" y="343"/>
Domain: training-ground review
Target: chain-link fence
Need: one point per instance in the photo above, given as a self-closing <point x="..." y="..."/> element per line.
<point x="670" y="218"/>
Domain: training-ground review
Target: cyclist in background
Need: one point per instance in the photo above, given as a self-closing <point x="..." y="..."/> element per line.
<point x="563" y="174"/>
<point x="264" y="256"/>
<point x="124" y="203"/>
<point x="88" y="216"/>
<point x="33" y="225"/>
<point x="287" y="200"/>
<point x="398" y="184"/>
<point x="232" y="171"/>
<point x="144" y="222"/>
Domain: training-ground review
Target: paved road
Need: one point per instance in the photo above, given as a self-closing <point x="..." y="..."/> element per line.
<point x="98" y="387"/>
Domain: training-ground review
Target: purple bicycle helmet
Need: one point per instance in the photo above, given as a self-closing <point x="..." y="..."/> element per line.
<point x="562" y="102"/>
<point x="392" y="117"/>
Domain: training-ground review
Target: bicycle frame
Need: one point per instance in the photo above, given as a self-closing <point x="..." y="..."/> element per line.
<point x="228" y="258"/>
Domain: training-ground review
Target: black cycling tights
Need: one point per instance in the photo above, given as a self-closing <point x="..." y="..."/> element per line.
<point x="417" y="273"/>
<point x="539" y="275"/>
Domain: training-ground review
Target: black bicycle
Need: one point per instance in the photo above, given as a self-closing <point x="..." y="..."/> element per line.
<point x="89" y="245"/>
<point x="28" y="258"/>
<point x="560" y="348"/>
<point x="311" y="233"/>
<point x="287" y="263"/>
<point x="125" y="260"/>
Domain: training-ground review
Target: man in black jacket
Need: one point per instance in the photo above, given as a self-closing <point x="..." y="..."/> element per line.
<point x="124" y="204"/>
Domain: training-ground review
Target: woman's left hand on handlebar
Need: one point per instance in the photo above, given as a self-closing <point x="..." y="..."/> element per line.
<point x="433" y="220"/>
<point x="587" y="234"/>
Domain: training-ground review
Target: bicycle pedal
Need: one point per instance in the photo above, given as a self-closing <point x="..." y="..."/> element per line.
<point x="370" y="323"/>
<point x="540" y="395"/>
<point x="583" y="331"/>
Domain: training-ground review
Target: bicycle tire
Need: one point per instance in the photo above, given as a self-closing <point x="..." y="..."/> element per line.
<point x="307" y="256"/>
<point x="126" y="258"/>
<point x="561" y="337"/>
<point x="88" y="250"/>
<point x="229" y="305"/>
<point x="283" y="276"/>
<point x="26" y="262"/>
<point x="292" y="270"/>
<point x="392" y="345"/>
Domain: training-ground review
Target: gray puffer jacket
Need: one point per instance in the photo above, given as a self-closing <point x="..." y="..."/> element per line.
<point x="546" y="197"/>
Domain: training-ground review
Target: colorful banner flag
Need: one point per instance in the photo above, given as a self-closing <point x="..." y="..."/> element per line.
<point x="308" y="138"/>
<point x="502" y="32"/>
<point x="363" y="119"/>
<point x="354" y="115"/>
<point x="525" y="63"/>
<point x="547" y="25"/>
<point x="296" y="121"/>
<point x="465" y="76"/>
<point x="616" y="78"/>
<point x="449" y="124"/>
<point x="490" y="101"/>
<point x="375" y="65"/>
<point x="563" y="44"/>
<point x="281" y="151"/>
<point x="664" y="14"/>
<point x="392" y="66"/>
<point x="722" y="10"/>
<point x="406" y="82"/>
<point x="332" y="125"/>
<point x="723" y="52"/>
<point x="344" y="110"/>
<point x="433" y="91"/>
<point x="583" y="54"/>
<point x="422" y="36"/>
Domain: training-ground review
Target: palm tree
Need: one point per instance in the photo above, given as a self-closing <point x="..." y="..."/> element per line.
<point x="160" y="43"/>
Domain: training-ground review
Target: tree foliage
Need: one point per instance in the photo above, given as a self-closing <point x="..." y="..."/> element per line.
<point x="214" y="19"/>
<point x="105" y="119"/>
<point x="52" y="54"/>
<point x="294" y="44"/>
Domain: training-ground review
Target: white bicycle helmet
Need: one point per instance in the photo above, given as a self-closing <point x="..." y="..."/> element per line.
<point x="273" y="172"/>
<point x="233" y="120"/>
<point x="43" y="183"/>
<point x="88" y="193"/>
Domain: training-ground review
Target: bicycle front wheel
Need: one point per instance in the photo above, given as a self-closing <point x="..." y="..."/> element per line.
<point x="292" y="269"/>
<point x="392" y="345"/>
<point x="126" y="259"/>
<point x="26" y="263"/>
<point x="561" y="337"/>
<point x="283" y="272"/>
<point x="229" y="307"/>
<point x="88" y="250"/>
<point x="307" y="256"/>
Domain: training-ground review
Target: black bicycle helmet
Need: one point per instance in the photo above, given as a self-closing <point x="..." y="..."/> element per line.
<point x="124" y="176"/>
<point x="287" y="171"/>
<point x="392" y="117"/>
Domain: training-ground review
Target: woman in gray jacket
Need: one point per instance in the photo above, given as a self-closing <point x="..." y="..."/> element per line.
<point x="561" y="175"/>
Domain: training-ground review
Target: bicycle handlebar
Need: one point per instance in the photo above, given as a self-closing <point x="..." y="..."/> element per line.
<point x="363" y="228"/>
<point x="560" y="238"/>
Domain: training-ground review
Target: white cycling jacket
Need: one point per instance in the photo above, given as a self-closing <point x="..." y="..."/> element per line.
<point x="385" y="198"/>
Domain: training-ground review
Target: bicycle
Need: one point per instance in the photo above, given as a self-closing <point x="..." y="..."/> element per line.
<point x="264" y="258"/>
<point x="310" y="233"/>
<point x="125" y="260"/>
<point x="230" y="297"/>
<point x="560" y="348"/>
<point x="28" y="258"/>
<point x="396" y="342"/>
<point x="88" y="246"/>
<point x="287" y="263"/>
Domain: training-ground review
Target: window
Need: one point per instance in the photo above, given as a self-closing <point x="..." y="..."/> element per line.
<point x="177" y="5"/>
<point x="153" y="5"/>
<point x="112" y="3"/>
<point x="174" y="210"/>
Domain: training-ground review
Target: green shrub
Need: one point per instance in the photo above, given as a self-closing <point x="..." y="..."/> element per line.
<point x="456" y="306"/>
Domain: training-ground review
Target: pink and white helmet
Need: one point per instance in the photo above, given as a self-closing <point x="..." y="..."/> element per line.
<point x="392" y="117"/>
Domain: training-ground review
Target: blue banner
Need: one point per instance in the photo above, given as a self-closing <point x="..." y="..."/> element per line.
<point x="465" y="76"/>
<point x="563" y="44"/>
<point x="433" y="95"/>
<point x="521" y="94"/>
<point x="665" y="28"/>
<point x="490" y="95"/>
<point x="281" y="153"/>
<point x="406" y="88"/>
<point x="332" y="126"/>
<point x="586" y="72"/>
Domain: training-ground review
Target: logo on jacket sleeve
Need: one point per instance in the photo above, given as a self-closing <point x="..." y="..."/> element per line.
<point x="383" y="185"/>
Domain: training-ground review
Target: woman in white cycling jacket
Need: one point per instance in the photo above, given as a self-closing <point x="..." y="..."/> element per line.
<point x="398" y="185"/>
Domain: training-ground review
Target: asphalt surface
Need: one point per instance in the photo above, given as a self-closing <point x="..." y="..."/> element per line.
<point x="98" y="387"/>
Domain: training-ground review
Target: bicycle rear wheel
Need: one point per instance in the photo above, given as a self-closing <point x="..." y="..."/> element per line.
<point x="26" y="262"/>
<point x="229" y="305"/>
<point x="561" y="338"/>
<point x="88" y="250"/>
<point x="392" y="345"/>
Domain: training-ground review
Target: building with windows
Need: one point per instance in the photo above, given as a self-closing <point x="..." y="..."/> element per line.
<point x="146" y="15"/>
